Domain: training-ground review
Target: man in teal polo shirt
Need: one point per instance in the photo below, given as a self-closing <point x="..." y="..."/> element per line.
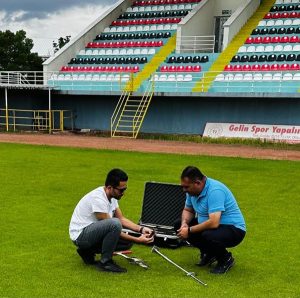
<point x="211" y="219"/>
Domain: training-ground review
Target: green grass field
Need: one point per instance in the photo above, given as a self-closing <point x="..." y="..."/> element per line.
<point x="40" y="187"/>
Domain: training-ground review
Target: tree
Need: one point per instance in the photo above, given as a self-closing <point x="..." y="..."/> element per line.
<point x="15" y="52"/>
<point x="61" y="42"/>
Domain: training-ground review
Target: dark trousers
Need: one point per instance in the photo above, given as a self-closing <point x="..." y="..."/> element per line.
<point x="103" y="237"/>
<point x="215" y="241"/>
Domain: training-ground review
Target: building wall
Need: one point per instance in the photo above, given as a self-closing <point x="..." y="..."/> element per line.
<point x="185" y="115"/>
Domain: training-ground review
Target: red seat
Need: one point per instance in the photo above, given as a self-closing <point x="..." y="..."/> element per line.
<point x="98" y="68"/>
<point x="294" y="39"/>
<point x="275" y="67"/>
<point x="228" y="67"/>
<point x="237" y="68"/>
<point x="120" y="69"/>
<point x="275" y="39"/>
<point x="255" y="67"/>
<point x="128" y="69"/>
<point x="268" y="16"/>
<point x="265" y="67"/>
<point x="124" y="44"/>
<point x="285" y="15"/>
<point x="276" y="15"/>
<point x="258" y="40"/>
<point x="90" y="45"/>
<point x="64" y="68"/>
<point x="164" y="68"/>
<point x="249" y="40"/>
<point x="145" y="44"/>
<point x="196" y="68"/>
<point x="114" y="23"/>
<point x="284" y="67"/>
<point x="138" y="44"/>
<point x="131" y="44"/>
<point x="179" y="68"/>
<point x="159" y="43"/>
<point x="152" y="43"/>
<point x="295" y="66"/>
<point x="188" y="68"/>
<point x="266" y="39"/>
<point x="172" y="68"/>
<point x="135" y="69"/>
<point x="246" y="67"/>
<point x="284" y="39"/>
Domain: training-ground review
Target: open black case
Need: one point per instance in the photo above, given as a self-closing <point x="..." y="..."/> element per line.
<point x="162" y="206"/>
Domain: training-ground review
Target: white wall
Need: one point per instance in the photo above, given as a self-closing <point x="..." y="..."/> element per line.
<point x="71" y="49"/>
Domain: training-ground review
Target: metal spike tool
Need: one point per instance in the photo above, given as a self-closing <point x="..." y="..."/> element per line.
<point x="190" y="274"/>
<point x="133" y="260"/>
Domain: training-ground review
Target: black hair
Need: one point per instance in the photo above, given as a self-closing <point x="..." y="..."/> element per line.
<point x="193" y="173"/>
<point x="114" y="177"/>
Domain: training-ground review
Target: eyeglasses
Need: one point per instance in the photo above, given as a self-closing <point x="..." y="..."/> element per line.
<point x="121" y="190"/>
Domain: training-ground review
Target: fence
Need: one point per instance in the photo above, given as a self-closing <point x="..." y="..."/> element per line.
<point x="196" y="44"/>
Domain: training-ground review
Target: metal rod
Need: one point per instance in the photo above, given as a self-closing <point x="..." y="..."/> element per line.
<point x="6" y="109"/>
<point x="50" y="118"/>
<point x="191" y="274"/>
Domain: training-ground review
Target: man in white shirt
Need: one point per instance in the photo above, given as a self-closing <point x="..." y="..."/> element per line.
<point x="97" y="221"/>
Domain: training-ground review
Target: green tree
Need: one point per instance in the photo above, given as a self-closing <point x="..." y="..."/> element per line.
<point x="15" y="52"/>
<point x="61" y="42"/>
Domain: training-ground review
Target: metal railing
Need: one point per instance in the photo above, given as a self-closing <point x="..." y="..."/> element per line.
<point x="38" y="120"/>
<point x="196" y="44"/>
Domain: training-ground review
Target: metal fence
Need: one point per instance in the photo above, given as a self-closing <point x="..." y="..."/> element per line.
<point x="196" y="44"/>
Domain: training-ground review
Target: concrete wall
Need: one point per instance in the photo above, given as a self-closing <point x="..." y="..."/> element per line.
<point x="63" y="56"/>
<point x="183" y="115"/>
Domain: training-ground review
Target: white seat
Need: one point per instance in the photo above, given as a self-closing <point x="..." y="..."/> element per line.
<point x="171" y="78"/>
<point x="126" y="29"/>
<point x="109" y="52"/>
<point x="238" y="77"/>
<point x="188" y="78"/>
<point x="168" y="7"/>
<point x="88" y="52"/>
<point x="137" y="51"/>
<point x="296" y="77"/>
<point x="296" y="48"/>
<point x="95" y="52"/>
<point x="88" y="77"/>
<point x="269" y="49"/>
<point x="129" y="9"/>
<point x="120" y="29"/>
<point x="82" y="52"/>
<point x="74" y="77"/>
<point x="287" y="48"/>
<point x="146" y="28"/>
<point x="188" y="6"/>
<point x="288" y="22"/>
<point x="133" y="29"/>
<point x="122" y="52"/>
<point x="125" y="78"/>
<point x="180" y="78"/>
<point x="103" y="77"/>
<point x="257" y="77"/>
<point x="161" y="8"/>
<point x="296" y="22"/>
<point x="101" y="52"/>
<point x="287" y="1"/>
<point x="270" y="23"/>
<point x="180" y="7"/>
<point x="194" y="5"/>
<point x="135" y="9"/>
<point x="116" y="52"/>
<point x="277" y="77"/>
<point x="95" y="77"/>
<point x="117" y="78"/>
<point x="262" y="24"/>
<point x="229" y="77"/>
<point x="251" y="49"/>
<point x="129" y="51"/>
<point x="287" y="77"/>
<point x="141" y="9"/>
<point x="81" y="77"/>
<point x="113" y="29"/>
<point x="160" y="27"/>
<point x="173" y="27"/>
<point x="154" y="78"/>
<point x="242" y="49"/>
<point x="260" y="49"/>
<point x="248" y="77"/>
<point x="68" y="77"/>
<point x="106" y="30"/>
<point x="139" y="28"/>
<point x="278" y="48"/>
<point x="220" y="78"/>
<point x="144" y="51"/>
<point x="267" y="77"/>
<point x="278" y="23"/>
<point x="279" y="2"/>
<point x="153" y="8"/>
<point x="174" y="7"/>
<point x="152" y="27"/>
<point x="162" y="78"/>
<point x="151" y="51"/>
<point x="110" y="77"/>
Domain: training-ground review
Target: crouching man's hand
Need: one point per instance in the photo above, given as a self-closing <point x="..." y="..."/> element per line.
<point x="145" y="239"/>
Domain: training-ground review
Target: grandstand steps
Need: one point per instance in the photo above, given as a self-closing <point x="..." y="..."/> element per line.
<point x="239" y="40"/>
<point x="152" y="65"/>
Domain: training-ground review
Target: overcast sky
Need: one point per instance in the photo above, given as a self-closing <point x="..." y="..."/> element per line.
<point x="45" y="21"/>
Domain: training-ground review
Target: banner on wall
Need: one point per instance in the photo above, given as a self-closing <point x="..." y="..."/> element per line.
<point x="282" y="133"/>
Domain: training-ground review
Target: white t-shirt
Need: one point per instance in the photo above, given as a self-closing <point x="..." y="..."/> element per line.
<point x="84" y="213"/>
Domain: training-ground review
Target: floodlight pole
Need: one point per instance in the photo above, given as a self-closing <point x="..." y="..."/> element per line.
<point x="50" y="113"/>
<point x="6" y="110"/>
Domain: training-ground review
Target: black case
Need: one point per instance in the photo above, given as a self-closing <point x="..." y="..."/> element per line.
<point x="162" y="206"/>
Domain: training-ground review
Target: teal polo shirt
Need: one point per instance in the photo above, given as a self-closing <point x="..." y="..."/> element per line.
<point x="216" y="197"/>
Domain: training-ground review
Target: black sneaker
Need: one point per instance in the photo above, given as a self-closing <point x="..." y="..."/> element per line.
<point x="206" y="260"/>
<point x="224" y="266"/>
<point x="110" y="266"/>
<point x="87" y="256"/>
